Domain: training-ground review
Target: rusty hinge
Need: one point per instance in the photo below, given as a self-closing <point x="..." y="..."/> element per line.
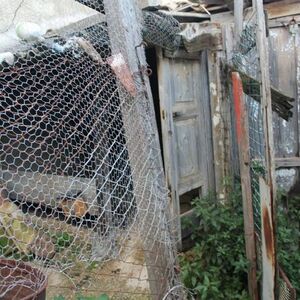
<point x="163" y="114"/>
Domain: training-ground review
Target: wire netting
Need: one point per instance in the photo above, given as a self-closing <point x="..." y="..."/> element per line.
<point x="246" y="61"/>
<point x="82" y="188"/>
<point x="161" y="30"/>
<point x="286" y="290"/>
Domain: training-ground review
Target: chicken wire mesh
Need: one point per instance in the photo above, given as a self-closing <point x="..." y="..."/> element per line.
<point x="82" y="184"/>
<point x="246" y="60"/>
<point x="160" y="29"/>
<point x="286" y="290"/>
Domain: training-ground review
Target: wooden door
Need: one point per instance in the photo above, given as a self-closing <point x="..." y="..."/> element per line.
<point x="186" y="129"/>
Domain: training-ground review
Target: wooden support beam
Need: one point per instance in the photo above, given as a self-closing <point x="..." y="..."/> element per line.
<point x="287" y="162"/>
<point x="242" y="130"/>
<point x="188" y="16"/>
<point x="201" y="36"/>
<point x="269" y="284"/>
<point x="238" y="19"/>
<point x="128" y="41"/>
<point x="282" y="9"/>
<point x="218" y="122"/>
<point x="268" y="241"/>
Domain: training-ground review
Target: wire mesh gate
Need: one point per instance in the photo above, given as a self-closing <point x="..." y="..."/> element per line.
<point x="82" y="184"/>
<point x="256" y="170"/>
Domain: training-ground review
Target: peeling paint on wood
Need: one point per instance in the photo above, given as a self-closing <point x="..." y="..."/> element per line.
<point x="268" y="233"/>
<point x="268" y="243"/>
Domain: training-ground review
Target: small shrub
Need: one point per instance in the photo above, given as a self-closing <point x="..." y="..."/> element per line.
<point x="216" y="267"/>
<point x="288" y="239"/>
<point x="62" y="240"/>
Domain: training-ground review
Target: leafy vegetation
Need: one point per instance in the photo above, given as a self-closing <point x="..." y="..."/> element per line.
<point x="216" y="267"/>
<point x="62" y="240"/>
<point x="288" y="238"/>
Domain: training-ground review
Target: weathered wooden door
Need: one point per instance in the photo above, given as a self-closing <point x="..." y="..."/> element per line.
<point x="186" y="129"/>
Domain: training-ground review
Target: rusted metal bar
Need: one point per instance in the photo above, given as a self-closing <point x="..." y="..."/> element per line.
<point x="242" y="130"/>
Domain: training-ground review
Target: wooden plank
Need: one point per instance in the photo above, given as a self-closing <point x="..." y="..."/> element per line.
<point x="127" y="24"/>
<point x="200" y="36"/>
<point x="188" y="16"/>
<point x="181" y="53"/>
<point x="268" y="260"/>
<point x="297" y="64"/>
<point x="268" y="242"/>
<point x="238" y="19"/>
<point x="281" y="9"/>
<point x="287" y="162"/>
<point x="223" y="18"/>
<point x="206" y="125"/>
<point x="242" y="130"/>
<point x="218" y="126"/>
<point x="283" y="21"/>
<point x="47" y="188"/>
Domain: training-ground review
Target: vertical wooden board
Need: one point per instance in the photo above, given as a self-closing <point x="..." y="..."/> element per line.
<point x="242" y="130"/>
<point x="206" y="125"/>
<point x="125" y="36"/>
<point x="298" y="86"/>
<point x="268" y="205"/>
<point x="282" y="52"/>
<point x="218" y="125"/>
<point x="238" y="19"/>
<point x="268" y="243"/>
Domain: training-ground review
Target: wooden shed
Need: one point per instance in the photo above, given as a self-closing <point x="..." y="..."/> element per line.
<point x="194" y="116"/>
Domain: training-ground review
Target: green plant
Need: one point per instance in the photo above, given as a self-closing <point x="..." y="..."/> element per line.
<point x="288" y="238"/>
<point x="62" y="240"/>
<point x="216" y="267"/>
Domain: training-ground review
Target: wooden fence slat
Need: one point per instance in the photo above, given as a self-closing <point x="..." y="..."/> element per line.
<point x="269" y="263"/>
<point x="242" y="130"/>
<point x="268" y="242"/>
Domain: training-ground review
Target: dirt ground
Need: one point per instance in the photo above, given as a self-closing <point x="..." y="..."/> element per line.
<point x="118" y="279"/>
